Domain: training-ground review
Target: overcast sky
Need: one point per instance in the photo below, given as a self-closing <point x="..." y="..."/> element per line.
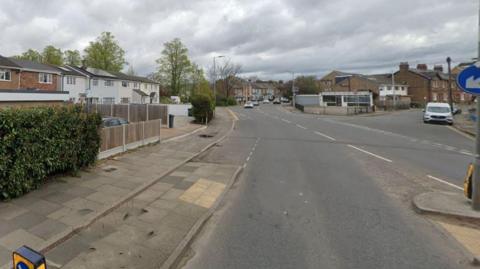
<point x="268" y="38"/>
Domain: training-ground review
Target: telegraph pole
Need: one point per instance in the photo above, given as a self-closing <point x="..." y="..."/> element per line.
<point x="476" y="177"/>
<point x="293" y="89"/>
<point x="450" y="94"/>
<point x="394" y="94"/>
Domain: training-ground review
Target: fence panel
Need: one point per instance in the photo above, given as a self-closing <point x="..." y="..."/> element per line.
<point x="104" y="109"/>
<point x="112" y="137"/>
<point x="133" y="132"/>
<point x="120" y="111"/>
<point x="152" y="128"/>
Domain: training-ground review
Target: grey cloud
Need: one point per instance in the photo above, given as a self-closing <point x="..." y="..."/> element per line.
<point x="269" y="37"/>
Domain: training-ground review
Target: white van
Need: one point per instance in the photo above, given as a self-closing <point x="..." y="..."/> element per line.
<point x="438" y="112"/>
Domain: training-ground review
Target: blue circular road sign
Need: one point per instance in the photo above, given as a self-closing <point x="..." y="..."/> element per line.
<point x="469" y="80"/>
<point x="21" y="265"/>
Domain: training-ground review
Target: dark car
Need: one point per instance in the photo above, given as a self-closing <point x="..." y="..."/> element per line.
<point x="112" y="121"/>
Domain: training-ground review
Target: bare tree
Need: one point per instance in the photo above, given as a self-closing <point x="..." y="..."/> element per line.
<point x="227" y="72"/>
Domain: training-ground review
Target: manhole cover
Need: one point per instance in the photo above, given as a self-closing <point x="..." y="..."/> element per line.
<point x="206" y="135"/>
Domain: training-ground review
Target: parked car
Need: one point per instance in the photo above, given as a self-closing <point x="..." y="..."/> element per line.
<point x="255" y="103"/>
<point x="438" y="112"/>
<point x="113" y="121"/>
<point x="265" y="101"/>
<point x="248" y="104"/>
<point x="284" y="100"/>
<point x="276" y="101"/>
<point x="456" y="110"/>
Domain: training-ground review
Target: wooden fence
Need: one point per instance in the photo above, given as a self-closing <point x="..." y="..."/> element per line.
<point x="131" y="112"/>
<point x="119" y="139"/>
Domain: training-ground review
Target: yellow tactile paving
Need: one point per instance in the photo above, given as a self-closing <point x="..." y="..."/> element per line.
<point x="468" y="237"/>
<point x="203" y="193"/>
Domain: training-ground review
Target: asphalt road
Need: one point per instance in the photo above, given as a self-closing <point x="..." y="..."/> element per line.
<point x="331" y="192"/>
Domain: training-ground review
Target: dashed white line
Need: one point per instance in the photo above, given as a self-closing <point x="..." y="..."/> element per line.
<point x="465" y="152"/>
<point x="371" y="154"/>
<point x="445" y="182"/>
<point x="248" y="158"/>
<point x="287" y="121"/>
<point x="301" y="127"/>
<point x="326" y="136"/>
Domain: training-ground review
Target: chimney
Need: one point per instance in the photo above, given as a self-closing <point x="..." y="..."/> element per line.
<point x="438" y="68"/>
<point x="404" y="66"/>
<point x="423" y="67"/>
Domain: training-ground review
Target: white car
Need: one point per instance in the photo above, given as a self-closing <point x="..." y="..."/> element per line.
<point x="438" y="112"/>
<point x="248" y="105"/>
<point x="265" y="101"/>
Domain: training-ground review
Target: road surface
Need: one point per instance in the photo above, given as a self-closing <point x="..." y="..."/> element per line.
<point x="332" y="192"/>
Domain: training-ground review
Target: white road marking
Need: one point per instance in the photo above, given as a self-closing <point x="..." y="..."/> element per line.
<point x="287" y="121"/>
<point x="248" y="158"/>
<point x="326" y="136"/>
<point x="445" y="182"/>
<point x="371" y="154"/>
<point x="466" y="152"/>
<point x="301" y="127"/>
<point x="244" y="165"/>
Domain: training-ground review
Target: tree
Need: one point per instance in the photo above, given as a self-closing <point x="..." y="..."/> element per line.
<point x="131" y="71"/>
<point x="30" y="55"/>
<point x="228" y="72"/>
<point x="72" y="57"/>
<point x="174" y="65"/>
<point x="307" y="85"/>
<point x="52" y="55"/>
<point x="105" y="53"/>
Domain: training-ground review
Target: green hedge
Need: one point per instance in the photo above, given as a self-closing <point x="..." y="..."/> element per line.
<point x="203" y="103"/>
<point x="39" y="142"/>
<point x="230" y="101"/>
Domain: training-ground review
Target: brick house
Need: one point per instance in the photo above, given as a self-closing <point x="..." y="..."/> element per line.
<point x="337" y="81"/>
<point x="428" y="85"/>
<point x="25" y="82"/>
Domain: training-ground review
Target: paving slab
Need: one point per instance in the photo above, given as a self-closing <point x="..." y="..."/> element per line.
<point x="450" y="204"/>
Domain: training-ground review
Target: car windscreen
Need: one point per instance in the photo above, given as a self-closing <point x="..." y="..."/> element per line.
<point x="437" y="109"/>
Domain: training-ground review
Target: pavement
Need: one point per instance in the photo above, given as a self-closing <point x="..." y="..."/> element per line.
<point x="333" y="192"/>
<point x="53" y="218"/>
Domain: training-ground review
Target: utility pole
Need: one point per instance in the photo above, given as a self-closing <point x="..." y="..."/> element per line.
<point x="394" y="94"/>
<point x="476" y="177"/>
<point x="450" y="94"/>
<point x="293" y="89"/>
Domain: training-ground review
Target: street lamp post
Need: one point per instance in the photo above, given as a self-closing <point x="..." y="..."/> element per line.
<point x="293" y="89"/>
<point x="394" y="94"/>
<point x="450" y="94"/>
<point x="215" y="76"/>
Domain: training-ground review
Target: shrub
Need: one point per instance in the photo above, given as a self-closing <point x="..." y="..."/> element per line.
<point x="39" y="142"/>
<point x="230" y="101"/>
<point x="202" y="103"/>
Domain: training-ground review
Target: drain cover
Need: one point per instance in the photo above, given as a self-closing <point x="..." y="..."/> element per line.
<point x="109" y="168"/>
<point x="206" y="135"/>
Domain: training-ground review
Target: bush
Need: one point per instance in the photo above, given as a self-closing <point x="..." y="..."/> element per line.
<point x="230" y="101"/>
<point x="202" y="103"/>
<point x="40" y="142"/>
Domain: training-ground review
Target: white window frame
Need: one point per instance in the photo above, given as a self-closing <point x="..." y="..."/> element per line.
<point x="125" y="84"/>
<point x="4" y="72"/>
<point x="71" y="80"/>
<point x="45" y="78"/>
<point x="95" y="82"/>
<point x="110" y="100"/>
<point x="108" y="83"/>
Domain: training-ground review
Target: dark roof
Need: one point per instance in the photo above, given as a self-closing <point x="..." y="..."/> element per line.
<point x="26" y="64"/>
<point x="70" y="71"/>
<point x="4" y="61"/>
<point x="124" y="76"/>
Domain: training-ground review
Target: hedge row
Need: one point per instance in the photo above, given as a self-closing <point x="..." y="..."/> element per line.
<point x="39" y="142"/>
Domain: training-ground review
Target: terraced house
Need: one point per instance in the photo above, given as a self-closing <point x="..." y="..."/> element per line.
<point x="26" y="82"/>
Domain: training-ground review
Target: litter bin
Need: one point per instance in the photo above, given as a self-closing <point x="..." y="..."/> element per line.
<point x="171" y="118"/>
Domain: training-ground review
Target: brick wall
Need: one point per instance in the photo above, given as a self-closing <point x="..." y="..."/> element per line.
<point x="418" y="86"/>
<point x="30" y="80"/>
<point x="12" y="84"/>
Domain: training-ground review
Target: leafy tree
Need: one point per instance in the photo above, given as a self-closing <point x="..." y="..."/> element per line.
<point x="105" y="53"/>
<point x="31" y="55"/>
<point x="203" y="104"/>
<point x="307" y="85"/>
<point x="52" y="55"/>
<point x="72" y="57"/>
<point x="174" y="65"/>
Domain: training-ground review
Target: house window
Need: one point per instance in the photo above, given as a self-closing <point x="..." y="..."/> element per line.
<point x="5" y="75"/>
<point x="108" y="100"/>
<point x="434" y="97"/>
<point x="71" y="99"/>
<point x="145" y="86"/>
<point x="135" y="85"/>
<point x="45" y="78"/>
<point x="95" y="82"/>
<point x="124" y="84"/>
<point x="108" y="83"/>
<point x="71" y="80"/>
<point x="125" y="100"/>
<point x="462" y="97"/>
